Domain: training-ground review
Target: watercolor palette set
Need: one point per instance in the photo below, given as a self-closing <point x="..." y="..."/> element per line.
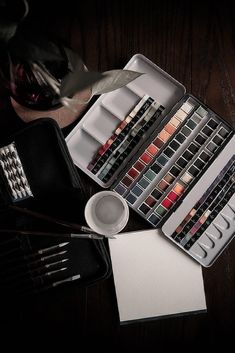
<point x="167" y="154"/>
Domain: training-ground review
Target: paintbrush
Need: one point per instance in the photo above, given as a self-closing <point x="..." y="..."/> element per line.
<point x="34" y="281"/>
<point x="30" y="291"/>
<point x="35" y="254"/>
<point x="51" y="234"/>
<point x="16" y="276"/>
<point x="7" y="251"/>
<point x="69" y="225"/>
<point x="7" y="241"/>
<point x="32" y="267"/>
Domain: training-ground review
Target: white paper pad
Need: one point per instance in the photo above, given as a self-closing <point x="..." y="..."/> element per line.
<point x="153" y="277"/>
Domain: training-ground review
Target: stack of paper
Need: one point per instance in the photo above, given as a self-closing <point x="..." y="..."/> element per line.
<point x="153" y="277"/>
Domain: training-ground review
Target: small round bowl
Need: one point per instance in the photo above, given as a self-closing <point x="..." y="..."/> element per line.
<point x="107" y="213"/>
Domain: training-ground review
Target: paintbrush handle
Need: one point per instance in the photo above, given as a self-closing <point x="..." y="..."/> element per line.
<point x="71" y="226"/>
<point x="50" y="234"/>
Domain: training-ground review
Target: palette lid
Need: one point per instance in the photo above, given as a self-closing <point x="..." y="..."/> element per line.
<point x="96" y="127"/>
<point x="156" y="82"/>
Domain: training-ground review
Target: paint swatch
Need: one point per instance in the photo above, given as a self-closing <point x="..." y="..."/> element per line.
<point x="125" y="138"/>
<point x="207" y="208"/>
<point x="172" y="160"/>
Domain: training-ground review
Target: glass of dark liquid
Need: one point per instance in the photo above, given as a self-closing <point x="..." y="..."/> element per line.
<point x="29" y="88"/>
<point x="34" y="95"/>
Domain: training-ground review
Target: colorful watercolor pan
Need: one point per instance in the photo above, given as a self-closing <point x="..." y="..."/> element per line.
<point x="159" y="148"/>
<point x="204" y="222"/>
<point x="118" y="123"/>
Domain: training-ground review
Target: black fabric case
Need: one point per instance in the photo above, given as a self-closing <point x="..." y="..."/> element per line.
<point x="57" y="192"/>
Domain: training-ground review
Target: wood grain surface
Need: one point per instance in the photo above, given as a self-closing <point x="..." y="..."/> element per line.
<point x="195" y="43"/>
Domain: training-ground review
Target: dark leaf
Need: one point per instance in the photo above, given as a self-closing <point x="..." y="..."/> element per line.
<point x="77" y="81"/>
<point x="11" y="14"/>
<point x="38" y="50"/>
<point x="114" y="79"/>
<point x="13" y="10"/>
<point x="74" y="60"/>
<point x="7" y="31"/>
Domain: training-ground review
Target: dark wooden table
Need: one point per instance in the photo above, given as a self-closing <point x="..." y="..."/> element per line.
<point x="195" y="43"/>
